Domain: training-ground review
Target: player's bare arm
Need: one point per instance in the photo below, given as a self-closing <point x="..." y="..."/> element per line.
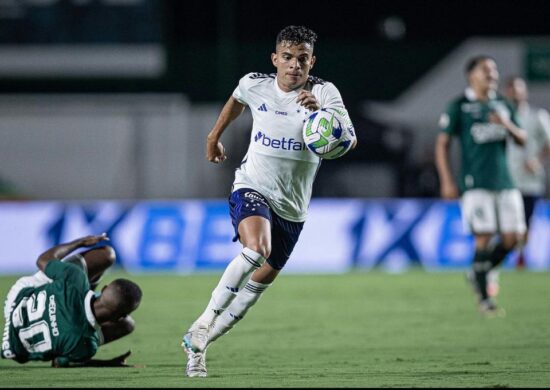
<point x="215" y="152"/>
<point x="518" y="134"/>
<point x="114" y="330"/>
<point x="448" y="186"/>
<point x="62" y="250"/>
<point x="117" y="361"/>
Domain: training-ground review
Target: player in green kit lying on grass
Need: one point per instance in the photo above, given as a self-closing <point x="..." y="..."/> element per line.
<point x="54" y="315"/>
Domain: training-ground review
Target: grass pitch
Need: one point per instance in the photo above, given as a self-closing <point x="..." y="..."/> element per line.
<point x="364" y="329"/>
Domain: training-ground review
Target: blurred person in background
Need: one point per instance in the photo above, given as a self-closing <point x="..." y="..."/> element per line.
<point x="491" y="204"/>
<point x="272" y="187"/>
<point x="527" y="163"/>
<point x="54" y="315"/>
<point x="8" y="191"/>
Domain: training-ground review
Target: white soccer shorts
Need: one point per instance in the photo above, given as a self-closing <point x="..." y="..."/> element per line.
<point x="485" y="211"/>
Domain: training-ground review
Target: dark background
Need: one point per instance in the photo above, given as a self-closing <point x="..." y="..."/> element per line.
<point x="211" y="44"/>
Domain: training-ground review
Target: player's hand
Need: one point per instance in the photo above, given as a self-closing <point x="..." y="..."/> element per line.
<point x="449" y="191"/>
<point x="92" y="240"/>
<point x="308" y="100"/>
<point x="533" y="165"/>
<point x="119" y="361"/>
<point x="498" y="119"/>
<point x="215" y="152"/>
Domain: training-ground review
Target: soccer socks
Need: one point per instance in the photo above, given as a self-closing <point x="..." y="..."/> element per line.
<point x="498" y="254"/>
<point x="234" y="277"/>
<point x="482" y="265"/>
<point x="246" y="298"/>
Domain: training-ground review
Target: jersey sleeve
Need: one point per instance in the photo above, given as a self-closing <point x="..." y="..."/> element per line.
<point x="348" y="123"/>
<point x="448" y="120"/>
<point x="84" y="351"/>
<point x="329" y="97"/>
<point x="57" y="270"/>
<point x="544" y="123"/>
<point x="513" y="114"/>
<point x="62" y="361"/>
<point x="241" y="92"/>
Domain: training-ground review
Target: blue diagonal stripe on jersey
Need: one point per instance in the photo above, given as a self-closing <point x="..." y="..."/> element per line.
<point x="263" y="107"/>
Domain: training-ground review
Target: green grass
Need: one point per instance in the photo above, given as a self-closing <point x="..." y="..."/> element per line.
<point x="369" y="329"/>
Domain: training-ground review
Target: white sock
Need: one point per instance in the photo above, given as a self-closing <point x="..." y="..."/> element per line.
<point x="246" y="298"/>
<point x="233" y="279"/>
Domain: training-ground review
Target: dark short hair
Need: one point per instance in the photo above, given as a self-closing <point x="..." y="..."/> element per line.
<point x="296" y="35"/>
<point x="474" y="61"/>
<point x="129" y="293"/>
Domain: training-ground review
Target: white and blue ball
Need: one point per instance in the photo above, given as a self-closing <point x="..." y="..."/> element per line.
<point x="328" y="133"/>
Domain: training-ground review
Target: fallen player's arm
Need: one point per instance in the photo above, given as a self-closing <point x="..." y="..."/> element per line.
<point x="113" y="330"/>
<point x="118" y="361"/>
<point x="62" y="250"/>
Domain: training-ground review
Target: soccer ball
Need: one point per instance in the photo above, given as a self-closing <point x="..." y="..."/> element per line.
<point x="328" y="133"/>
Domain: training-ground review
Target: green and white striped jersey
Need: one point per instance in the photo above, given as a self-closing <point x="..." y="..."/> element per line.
<point x="54" y="320"/>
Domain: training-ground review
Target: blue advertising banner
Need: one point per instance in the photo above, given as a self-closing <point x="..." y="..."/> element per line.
<point x="196" y="236"/>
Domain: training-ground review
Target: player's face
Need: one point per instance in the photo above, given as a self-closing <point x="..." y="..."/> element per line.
<point x="517" y="90"/>
<point x="485" y="75"/>
<point x="293" y="63"/>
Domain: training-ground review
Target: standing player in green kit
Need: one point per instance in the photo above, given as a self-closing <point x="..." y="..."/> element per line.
<point x="492" y="206"/>
<point x="53" y="315"/>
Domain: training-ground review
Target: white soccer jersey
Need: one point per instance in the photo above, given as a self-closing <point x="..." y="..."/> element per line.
<point x="278" y="164"/>
<point x="536" y="122"/>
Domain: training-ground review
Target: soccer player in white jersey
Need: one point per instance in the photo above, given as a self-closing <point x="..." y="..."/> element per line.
<point x="527" y="163"/>
<point x="272" y="187"/>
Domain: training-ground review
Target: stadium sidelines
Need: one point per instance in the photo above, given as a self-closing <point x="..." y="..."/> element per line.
<point x="190" y="236"/>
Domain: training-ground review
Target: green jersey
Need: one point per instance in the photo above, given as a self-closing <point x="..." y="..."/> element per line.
<point x="483" y="144"/>
<point x="54" y="320"/>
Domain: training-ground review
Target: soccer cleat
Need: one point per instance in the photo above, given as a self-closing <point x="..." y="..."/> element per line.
<point x="196" y="365"/>
<point x="196" y="338"/>
<point x="488" y="308"/>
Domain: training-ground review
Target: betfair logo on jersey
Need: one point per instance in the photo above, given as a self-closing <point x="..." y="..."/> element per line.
<point x="483" y="133"/>
<point x="275" y="143"/>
